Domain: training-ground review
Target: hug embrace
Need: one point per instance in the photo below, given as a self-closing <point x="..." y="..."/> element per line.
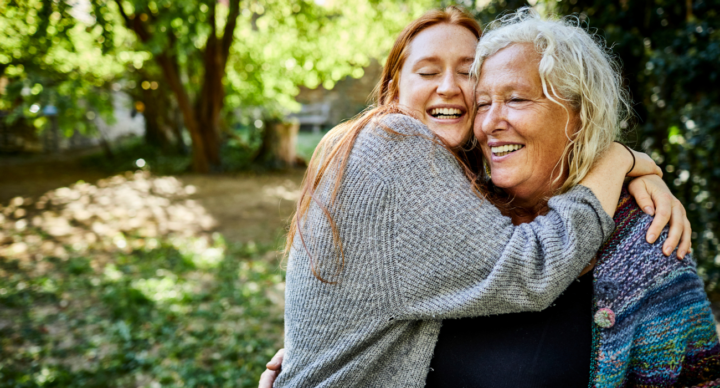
<point x="480" y="227"/>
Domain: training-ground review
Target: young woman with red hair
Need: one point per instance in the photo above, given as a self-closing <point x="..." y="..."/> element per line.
<point x="392" y="233"/>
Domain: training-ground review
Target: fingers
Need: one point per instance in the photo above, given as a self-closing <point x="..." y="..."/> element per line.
<point x="268" y="378"/>
<point x="658" y="171"/>
<point x="638" y="189"/>
<point x="663" y="211"/>
<point x="685" y="241"/>
<point x="677" y="224"/>
<point x="276" y="362"/>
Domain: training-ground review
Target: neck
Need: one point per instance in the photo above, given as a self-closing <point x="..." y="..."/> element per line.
<point x="525" y="207"/>
<point x="521" y="214"/>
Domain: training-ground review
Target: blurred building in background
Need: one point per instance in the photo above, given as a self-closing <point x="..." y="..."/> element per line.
<point x="323" y="109"/>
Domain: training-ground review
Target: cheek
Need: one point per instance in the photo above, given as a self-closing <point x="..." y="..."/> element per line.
<point x="478" y="128"/>
<point x="412" y="92"/>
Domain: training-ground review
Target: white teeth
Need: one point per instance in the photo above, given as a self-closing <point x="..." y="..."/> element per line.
<point x="446" y="112"/>
<point x="504" y="149"/>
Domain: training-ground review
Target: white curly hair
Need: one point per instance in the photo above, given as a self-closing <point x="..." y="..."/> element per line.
<point x="577" y="71"/>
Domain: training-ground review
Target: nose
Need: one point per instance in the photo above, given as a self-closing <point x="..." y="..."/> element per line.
<point x="448" y="85"/>
<point x="494" y="119"/>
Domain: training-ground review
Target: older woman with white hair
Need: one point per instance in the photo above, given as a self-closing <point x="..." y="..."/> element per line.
<point x="550" y="102"/>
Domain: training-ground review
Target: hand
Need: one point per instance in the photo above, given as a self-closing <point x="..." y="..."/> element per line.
<point x="273" y="370"/>
<point x="652" y="193"/>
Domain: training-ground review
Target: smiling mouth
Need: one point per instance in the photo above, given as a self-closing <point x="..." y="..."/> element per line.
<point x="506" y="149"/>
<point x="446" y="113"/>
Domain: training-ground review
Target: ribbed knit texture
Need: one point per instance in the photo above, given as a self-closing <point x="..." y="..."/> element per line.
<point x="419" y="247"/>
<point x="663" y="333"/>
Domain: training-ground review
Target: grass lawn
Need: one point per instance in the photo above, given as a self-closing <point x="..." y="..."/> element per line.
<point x="128" y="283"/>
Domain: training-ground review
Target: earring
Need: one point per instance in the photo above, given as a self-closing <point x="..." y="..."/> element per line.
<point x="487" y="169"/>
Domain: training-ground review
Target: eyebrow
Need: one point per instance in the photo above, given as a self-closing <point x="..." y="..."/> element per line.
<point x="513" y="86"/>
<point x="437" y="59"/>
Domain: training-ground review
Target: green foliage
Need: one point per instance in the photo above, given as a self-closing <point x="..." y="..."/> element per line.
<point x="47" y="57"/>
<point x="280" y="45"/>
<point x="60" y="53"/>
<point x="165" y="313"/>
<point x="277" y="46"/>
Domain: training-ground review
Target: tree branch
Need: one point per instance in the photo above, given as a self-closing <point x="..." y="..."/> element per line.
<point x="227" y="38"/>
<point x="134" y="23"/>
<point x="128" y="22"/>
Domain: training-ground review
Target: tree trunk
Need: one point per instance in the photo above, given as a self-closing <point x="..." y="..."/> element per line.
<point x="279" y="144"/>
<point x="157" y="132"/>
<point x="210" y="102"/>
<point x="201" y="119"/>
<point x="200" y="161"/>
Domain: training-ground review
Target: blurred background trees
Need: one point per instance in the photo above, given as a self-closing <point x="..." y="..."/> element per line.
<point x="216" y="65"/>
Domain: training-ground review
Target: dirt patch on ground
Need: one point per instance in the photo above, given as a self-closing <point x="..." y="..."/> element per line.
<point x="247" y="207"/>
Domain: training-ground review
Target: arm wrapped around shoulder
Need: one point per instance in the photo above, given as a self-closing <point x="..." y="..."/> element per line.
<point x="454" y="255"/>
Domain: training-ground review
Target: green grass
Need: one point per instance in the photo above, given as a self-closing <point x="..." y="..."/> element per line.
<point x="175" y="313"/>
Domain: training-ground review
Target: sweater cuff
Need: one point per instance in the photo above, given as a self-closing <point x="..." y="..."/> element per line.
<point x="582" y="194"/>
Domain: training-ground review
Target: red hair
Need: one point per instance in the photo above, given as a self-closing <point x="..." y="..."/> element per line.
<point x="334" y="149"/>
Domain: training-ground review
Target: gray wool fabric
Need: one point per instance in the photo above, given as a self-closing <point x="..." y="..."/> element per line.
<point x="419" y="247"/>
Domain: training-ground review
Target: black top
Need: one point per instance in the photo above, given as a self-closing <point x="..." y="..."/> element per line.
<point x="550" y="348"/>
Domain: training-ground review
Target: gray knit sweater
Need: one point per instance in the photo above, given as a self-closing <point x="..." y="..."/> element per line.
<point x="419" y="247"/>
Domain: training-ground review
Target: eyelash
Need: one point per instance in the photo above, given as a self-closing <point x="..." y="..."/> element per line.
<point x="431" y="74"/>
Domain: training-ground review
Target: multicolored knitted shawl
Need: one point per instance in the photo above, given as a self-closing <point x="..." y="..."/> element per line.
<point x="653" y="325"/>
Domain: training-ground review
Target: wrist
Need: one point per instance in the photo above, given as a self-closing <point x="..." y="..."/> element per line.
<point x="629" y="156"/>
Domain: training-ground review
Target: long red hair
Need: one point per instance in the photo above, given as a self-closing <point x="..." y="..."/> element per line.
<point x="333" y="151"/>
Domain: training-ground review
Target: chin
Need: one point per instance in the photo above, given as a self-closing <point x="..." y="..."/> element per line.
<point x="502" y="180"/>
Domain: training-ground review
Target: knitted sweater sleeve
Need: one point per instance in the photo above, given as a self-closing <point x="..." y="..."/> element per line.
<point x="454" y="255"/>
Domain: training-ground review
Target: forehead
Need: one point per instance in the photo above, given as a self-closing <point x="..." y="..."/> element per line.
<point x="447" y="41"/>
<point x="515" y="66"/>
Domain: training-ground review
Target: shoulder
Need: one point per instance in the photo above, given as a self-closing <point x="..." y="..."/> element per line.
<point x="399" y="144"/>
<point x="395" y="130"/>
<point x="634" y="268"/>
<point x="627" y="245"/>
<point x="405" y="125"/>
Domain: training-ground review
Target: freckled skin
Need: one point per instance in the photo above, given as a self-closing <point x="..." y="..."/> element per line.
<point x="436" y="71"/>
<point x="513" y="109"/>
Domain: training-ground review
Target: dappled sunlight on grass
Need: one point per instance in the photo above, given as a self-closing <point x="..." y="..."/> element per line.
<point x="126" y="284"/>
<point x="118" y="214"/>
